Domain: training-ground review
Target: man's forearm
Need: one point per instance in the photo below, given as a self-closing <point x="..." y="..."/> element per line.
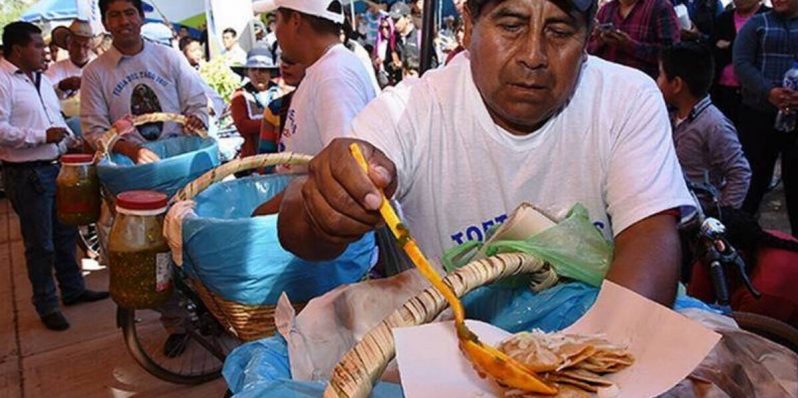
<point x="647" y="258"/>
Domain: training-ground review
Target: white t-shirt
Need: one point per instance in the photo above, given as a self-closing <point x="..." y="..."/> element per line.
<point x="158" y="79"/>
<point x="61" y="70"/>
<point x="460" y="174"/>
<point x="335" y="89"/>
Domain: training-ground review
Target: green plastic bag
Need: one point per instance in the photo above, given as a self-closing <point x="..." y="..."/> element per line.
<point x="574" y="248"/>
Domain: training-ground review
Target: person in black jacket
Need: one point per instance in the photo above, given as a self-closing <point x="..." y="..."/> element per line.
<point x="726" y="89"/>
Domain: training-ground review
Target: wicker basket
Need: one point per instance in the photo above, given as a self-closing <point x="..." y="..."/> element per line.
<point x="247" y="322"/>
<point x="108" y="140"/>
<point x="363" y="365"/>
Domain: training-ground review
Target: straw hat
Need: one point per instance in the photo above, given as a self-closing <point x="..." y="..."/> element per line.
<point x="78" y="27"/>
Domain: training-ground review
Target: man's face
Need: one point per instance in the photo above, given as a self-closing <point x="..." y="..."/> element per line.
<point x="193" y="53"/>
<point x="32" y="55"/>
<point x="79" y="48"/>
<point x="259" y="78"/>
<point x="525" y="59"/>
<point x="228" y="40"/>
<point x="785" y="7"/>
<point x="285" y="29"/>
<point x="401" y="23"/>
<point x="292" y="72"/>
<point x="124" y="22"/>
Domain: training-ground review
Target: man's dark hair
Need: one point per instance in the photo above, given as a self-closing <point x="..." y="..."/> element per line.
<point x="475" y="8"/>
<point x="18" y="34"/>
<point x="231" y="31"/>
<point x="184" y="42"/>
<point x="105" y="3"/>
<point x="318" y="24"/>
<point x="693" y="63"/>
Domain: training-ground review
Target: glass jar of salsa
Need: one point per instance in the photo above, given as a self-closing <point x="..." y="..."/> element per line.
<point x="77" y="194"/>
<point x="138" y="255"/>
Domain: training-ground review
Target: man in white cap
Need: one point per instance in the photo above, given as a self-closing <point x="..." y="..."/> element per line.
<point x="336" y="84"/>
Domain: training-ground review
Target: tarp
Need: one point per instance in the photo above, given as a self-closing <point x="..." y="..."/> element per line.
<point x="190" y="13"/>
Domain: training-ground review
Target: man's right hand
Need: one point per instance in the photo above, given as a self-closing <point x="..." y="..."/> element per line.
<point x="783" y="98"/>
<point x="56" y="134"/>
<point x="336" y="203"/>
<point x="70" y="84"/>
<point x="137" y="153"/>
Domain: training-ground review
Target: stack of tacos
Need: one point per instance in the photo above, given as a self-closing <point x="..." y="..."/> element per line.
<point x="575" y="364"/>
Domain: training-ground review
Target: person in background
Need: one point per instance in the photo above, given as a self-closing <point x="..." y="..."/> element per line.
<point x="260" y="31"/>
<point x="703" y="15"/>
<point x="291" y="74"/>
<point x="383" y="48"/>
<point x="56" y="53"/>
<point x="66" y="74"/>
<point x="233" y="53"/>
<point x="372" y="19"/>
<point x="705" y="140"/>
<point x="633" y="32"/>
<point x="765" y="48"/>
<point x="192" y="50"/>
<point x="408" y="43"/>
<point x="104" y="44"/>
<point x="182" y="32"/>
<point x="33" y="135"/>
<point x="726" y="90"/>
<point x="336" y="85"/>
<point x="250" y="101"/>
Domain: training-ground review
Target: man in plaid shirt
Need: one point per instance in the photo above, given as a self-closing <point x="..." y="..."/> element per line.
<point x="633" y="32"/>
<point x="765" y="48"/>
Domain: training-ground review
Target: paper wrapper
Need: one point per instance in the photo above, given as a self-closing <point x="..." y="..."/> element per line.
<point x="666" y="346"/>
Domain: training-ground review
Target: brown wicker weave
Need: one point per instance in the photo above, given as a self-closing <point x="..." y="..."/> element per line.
<point x="247" y="322"/>
<point x="107" y="141"/>
<point x="363" y="365"/>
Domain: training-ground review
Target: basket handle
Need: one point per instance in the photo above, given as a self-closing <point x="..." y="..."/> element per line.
<point x="110" y="137"/>
<point x="362" y="366"/>
<point x="248" y="163"/>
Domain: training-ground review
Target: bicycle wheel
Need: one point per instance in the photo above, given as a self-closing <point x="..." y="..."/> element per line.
<point x="769" y="328"/>
<point x="206" y="347"/>
<point x="89" y="241"/>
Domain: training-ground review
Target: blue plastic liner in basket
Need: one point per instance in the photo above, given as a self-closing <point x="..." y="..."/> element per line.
<point x="240" y="258"/>
<point x="183" y="159"/>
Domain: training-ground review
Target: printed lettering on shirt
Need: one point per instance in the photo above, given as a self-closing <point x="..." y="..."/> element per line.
<point x="145" y="74"/>
<point x="478" y="232"/>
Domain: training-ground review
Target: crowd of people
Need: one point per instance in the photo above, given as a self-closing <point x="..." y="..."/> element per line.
<point x="513" y="109"/>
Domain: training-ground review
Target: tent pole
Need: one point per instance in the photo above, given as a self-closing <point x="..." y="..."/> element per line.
<point x="427" y="33"/>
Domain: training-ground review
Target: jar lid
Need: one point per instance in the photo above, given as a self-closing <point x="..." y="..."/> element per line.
<point x="141" y="200"/>
<point x="77" y="158"/>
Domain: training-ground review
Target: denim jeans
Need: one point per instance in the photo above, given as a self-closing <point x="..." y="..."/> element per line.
<point x="49" y="245"/>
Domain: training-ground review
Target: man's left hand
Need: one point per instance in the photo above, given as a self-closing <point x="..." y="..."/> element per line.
<point x="70" y="84"/>
<point x="194" y="124"/>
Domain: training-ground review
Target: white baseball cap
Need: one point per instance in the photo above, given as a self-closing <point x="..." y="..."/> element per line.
<point x="328" y="9"/>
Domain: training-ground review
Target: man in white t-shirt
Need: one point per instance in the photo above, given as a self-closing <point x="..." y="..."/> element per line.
<point x="137" y="77"/>
<point x="525" y="115"/>
<point x="336" y="85"/>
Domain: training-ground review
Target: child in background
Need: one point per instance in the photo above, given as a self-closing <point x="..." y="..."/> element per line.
<point x="705" y="140"/>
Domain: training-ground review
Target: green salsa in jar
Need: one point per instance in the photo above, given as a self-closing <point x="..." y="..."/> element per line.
<point x="138" y="255"/>
<point x="77" y="194"/>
